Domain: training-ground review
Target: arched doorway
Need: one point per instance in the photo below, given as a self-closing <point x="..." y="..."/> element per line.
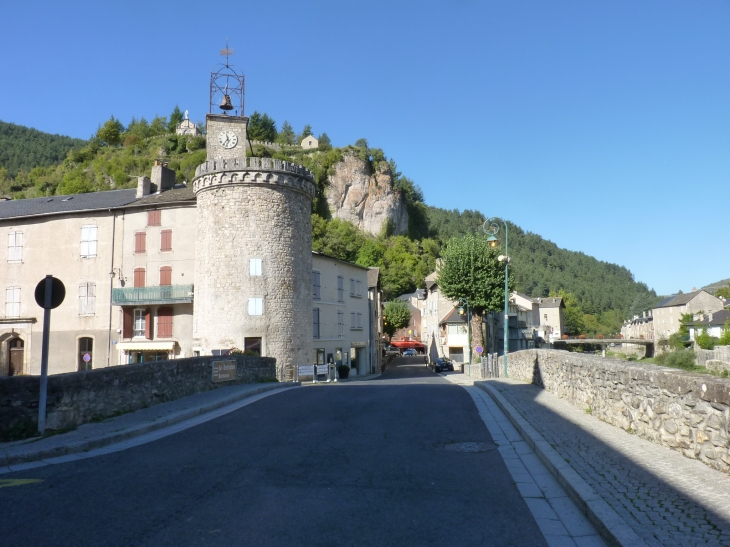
<point x="86" y="353"/>
<point x="16" y="356"/>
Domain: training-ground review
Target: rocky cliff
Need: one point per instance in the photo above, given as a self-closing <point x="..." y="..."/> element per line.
<point x="366" y="198"/>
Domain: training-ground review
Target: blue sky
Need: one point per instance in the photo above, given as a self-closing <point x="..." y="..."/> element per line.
<point x="602" y="126"/>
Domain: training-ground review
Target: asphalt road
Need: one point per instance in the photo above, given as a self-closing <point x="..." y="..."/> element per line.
<point x="356" y="464"/>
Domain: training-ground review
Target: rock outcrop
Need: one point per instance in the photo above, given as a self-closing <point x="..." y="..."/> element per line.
<point x="365" y="198"/>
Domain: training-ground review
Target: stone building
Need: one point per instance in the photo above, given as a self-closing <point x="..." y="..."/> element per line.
<point x="166" y="271"/>
<point x="668" y="314"/>
<point x="186" y="127"/>
<point x="309" y="142"/>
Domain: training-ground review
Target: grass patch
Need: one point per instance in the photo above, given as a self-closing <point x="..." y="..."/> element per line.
<point x="21" y="430"/>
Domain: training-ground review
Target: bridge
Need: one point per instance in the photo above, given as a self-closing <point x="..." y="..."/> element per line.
<point x="603" y="342"/>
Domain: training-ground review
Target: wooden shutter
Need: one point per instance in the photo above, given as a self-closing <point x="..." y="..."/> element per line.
<point x="127" y="323"/>
<point x="154" y="218"/>
<point x="140" y="242"/>
<point x="164" y="323"/>
<point x="166" y="240"/>
<point x="139" y="277"/>
<point x="148" y="325"/>
<point x="166" y="275"/>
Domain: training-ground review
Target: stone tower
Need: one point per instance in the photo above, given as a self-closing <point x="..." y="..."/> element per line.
<point x="253" y="265"/>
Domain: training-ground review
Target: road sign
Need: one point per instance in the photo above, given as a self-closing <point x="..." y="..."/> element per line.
<point x="87" y="357"/>
<point x="58" y="293"/>
<point x="480" y="350"/>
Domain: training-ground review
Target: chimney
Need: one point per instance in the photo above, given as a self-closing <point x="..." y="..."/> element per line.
<point x="162" y="176"/>
<point x="143" y="187"/>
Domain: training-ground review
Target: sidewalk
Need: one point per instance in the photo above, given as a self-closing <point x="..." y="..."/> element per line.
<point x="660" y="496"/>
<point x="18" y="454"/>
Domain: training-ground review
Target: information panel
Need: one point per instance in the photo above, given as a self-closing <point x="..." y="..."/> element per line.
<point x="224" y="371"/>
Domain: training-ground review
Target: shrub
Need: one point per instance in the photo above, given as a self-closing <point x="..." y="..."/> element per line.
<point x="681" y="358"/>
<point x="705" y="341"/>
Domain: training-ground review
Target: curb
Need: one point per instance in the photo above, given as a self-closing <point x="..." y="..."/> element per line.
<point x="135" y="431"/>
<point x="609" y="524"/>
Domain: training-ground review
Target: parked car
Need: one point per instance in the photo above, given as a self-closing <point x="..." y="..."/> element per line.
<point x="409" y="353"/>
<point x="442" y="364"/>
<point x="391" y="350"/>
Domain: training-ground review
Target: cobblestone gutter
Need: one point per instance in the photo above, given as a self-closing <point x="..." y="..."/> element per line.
<point x="684" y="411"/>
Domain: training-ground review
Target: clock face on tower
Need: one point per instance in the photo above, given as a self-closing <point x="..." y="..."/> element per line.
<point x="227" y="139"/>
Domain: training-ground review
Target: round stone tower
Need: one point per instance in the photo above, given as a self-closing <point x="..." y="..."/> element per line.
<point x="253" y="264"/>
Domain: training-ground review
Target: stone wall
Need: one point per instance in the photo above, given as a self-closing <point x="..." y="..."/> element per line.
<point x="80" y="397"/>
<point x="685" y="411"/>
<point x="717" y="359"/>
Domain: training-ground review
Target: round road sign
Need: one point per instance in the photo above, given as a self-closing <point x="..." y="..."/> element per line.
<point x="87" y="357"/>
<point x="480" y="349"/>
<point x="58" y="292"/>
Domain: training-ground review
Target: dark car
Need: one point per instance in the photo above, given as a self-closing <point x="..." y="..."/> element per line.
<point x="442" y="364"/>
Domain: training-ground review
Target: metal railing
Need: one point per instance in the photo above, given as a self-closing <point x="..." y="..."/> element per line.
<point x="163" y="294"/>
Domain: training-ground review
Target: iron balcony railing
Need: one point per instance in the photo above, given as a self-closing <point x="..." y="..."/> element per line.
<point x="164" y="294"/>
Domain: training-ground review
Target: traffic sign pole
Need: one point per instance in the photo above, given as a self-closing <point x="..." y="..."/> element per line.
<point x="44" y="354"/>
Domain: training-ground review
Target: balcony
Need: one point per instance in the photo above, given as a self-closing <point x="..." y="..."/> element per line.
<point x="164" y="294"/>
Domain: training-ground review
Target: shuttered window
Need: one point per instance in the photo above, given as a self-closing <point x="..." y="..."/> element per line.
<point x="154" y="218"/>
<point x="255" y="306"/>
<point x="166" y="240"/>
<point x="88" y="241"/>
<point x="139" y="277"/>
<point x="166" y="275"/>
<point x="87" y="298"/>
<point x="340" y="288"/>
<point x="164" y="323"/>
<point x="316" y="287"/>
<point x="340" y="323"/>
<point x="15" y="246"/>
<point x="140" y="242"/>
<point x="12" y="302"/>
<point x="315" y="322"/>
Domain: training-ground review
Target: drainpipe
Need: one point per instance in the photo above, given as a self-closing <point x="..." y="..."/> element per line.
<point x="111" y="286"/>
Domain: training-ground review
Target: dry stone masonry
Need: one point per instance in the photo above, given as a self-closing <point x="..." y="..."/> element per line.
<point x="684" y="411"/>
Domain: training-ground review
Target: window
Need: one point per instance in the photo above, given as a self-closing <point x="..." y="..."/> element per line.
<point x="456" y="329"/>
<point x="140" y="323"/>
<point x="87" y="298"/>
<point x="166" y="275"/>
<point x="315" y="323"/>
<point x="139" y="277"/>
<point x="252" y="344"/>
<point x="15" y="246"/>
<point x="340" y="323"/>
<point x="88" y="241"/>
<point x="255" y="266"/>
<point x="166" y="241"/>
<point x="255" y="306"/>
<point x="355" y="321"/>
<point x="355" y="287"/>
<point x="154" y="218"/>
<point x="140" y="242"/>
<point x="340" y="288"/>
<point x="316" y="288"/>
<point x="164" y="323"/>
<point x="86" y="353"/>
<point x="12" y="302"/>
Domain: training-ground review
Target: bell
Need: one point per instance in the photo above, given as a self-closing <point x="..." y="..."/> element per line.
<point x="226" y="103"/>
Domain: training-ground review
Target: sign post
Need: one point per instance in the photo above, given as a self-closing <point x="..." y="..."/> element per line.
<point x="49" y="293"/>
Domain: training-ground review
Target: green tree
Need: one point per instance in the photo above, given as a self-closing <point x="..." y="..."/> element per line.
<point x="175" y="118"/>
<point x="396" y="315"/>
<point x="704" y="340"/>
<point x="470" y="270"/>
<point x="306" y="132"/>
<point x="324" y="142"/>
<point x="723" y="292"/>
<point x="573" y="315"/>
<point x="724" y="339"/>
<point x="158" y="126"/>
<point x="111" y="132"/>
<point x="286" y="136"/>
<point x="261" y="127"/>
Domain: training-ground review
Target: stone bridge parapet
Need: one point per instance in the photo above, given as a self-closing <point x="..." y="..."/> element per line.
<point x="688" y="412"/>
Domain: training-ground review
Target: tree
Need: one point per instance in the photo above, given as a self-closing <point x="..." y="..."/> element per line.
<point x="175" y="118"/>
<point x="723" y="292"/>
<point x="724" y="339"/>
<point x="306" y="132"/>
<point x="470" y="270"/>
<point x="261" y="128"/>
<point x="286" y="136"/>
<point x="111" y="132"/>
<point x="573" y="315"/>
<point x="396" y="315"/>
<point x="324" y="142"/>
<point x="704" y="340"/>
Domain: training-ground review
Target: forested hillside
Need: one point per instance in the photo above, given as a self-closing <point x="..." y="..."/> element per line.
<point x="600" y="293"/>
<point x="23" y="148"/>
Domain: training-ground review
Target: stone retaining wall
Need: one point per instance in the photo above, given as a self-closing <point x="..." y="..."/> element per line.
<point x="80" y="397"/>
<point x="685" y="411"/>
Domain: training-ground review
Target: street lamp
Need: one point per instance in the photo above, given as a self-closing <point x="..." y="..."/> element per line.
<point x="491" y="228"/>
<point x="465" y="302"/>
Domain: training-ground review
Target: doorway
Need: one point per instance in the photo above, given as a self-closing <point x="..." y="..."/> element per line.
<point x="86" y="353"/>
<point x="16" y="356"/>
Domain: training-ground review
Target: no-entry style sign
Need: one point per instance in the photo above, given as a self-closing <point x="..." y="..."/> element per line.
<point x="58" y="293"/>
<point x="480" y="350"/>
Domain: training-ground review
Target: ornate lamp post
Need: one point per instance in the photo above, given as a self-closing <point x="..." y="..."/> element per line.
<point x="491" y="228"/>
<point x="465" y="302"/>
